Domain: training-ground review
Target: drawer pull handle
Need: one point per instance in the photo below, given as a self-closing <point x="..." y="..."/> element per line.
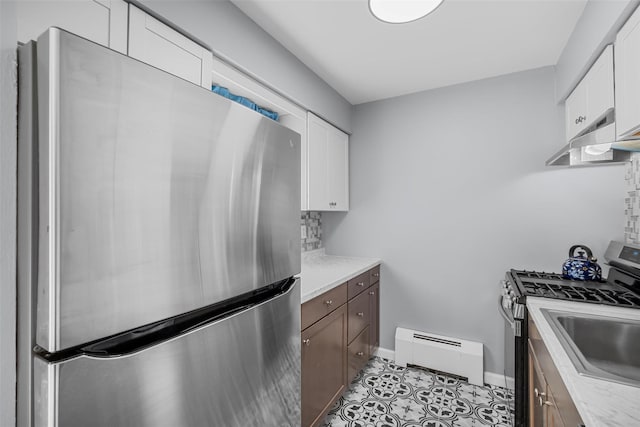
<point x="360" y="354"/>
<point x="328" y="302"/>
<point x="376" y="274"/>
<point x="360" y="284"/>
<point x="361" y="314"/>
<point x="372" y="292"/>
<point x="307" y="342"/>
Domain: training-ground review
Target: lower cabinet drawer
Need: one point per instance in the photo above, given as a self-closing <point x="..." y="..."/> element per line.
<point x="358" y="354"/>
<point x="320" y="306"/>
<point x="359" y="317"/>
<point x="358" y="284"/>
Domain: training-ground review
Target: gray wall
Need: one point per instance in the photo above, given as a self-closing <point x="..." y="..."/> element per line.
<point x="449" y="188"/>
<point x="7" y="213"/>
<point x="597" y="27"/>
<point x="234" y="36"/>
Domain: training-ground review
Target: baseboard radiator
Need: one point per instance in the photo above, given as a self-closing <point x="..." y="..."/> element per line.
<point x="445" y="354"/>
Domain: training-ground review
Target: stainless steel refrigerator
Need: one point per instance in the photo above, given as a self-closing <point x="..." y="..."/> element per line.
<point x="159" y="241"/>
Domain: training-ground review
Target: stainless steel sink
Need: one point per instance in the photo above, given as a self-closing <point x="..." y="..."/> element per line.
<point x="599" y="346"/>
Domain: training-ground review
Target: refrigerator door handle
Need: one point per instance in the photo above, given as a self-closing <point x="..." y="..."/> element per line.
<point x="243" y="370"/>
<point x="148" y="336"/>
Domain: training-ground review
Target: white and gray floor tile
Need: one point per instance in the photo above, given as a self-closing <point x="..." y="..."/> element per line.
<point x="386" y="395"/>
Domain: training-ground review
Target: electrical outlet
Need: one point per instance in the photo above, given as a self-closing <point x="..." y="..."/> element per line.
<point x="303" y="231"/>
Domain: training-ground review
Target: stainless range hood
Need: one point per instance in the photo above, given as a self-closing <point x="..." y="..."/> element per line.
<point x="596" y="146"/>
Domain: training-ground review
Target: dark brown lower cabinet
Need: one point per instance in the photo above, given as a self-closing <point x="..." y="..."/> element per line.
<point x="341" y="333"/>
<point x="374" y="325"/>
<point x="358" y="352"/>
<point x="550" y="404"/>
<point x="324" y="365"/>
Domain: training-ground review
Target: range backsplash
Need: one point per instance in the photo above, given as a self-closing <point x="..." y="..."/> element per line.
<point x="313" y="222"/>
<point x="632" y="200"/>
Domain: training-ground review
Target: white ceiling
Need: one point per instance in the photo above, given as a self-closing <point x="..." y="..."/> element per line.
<point x="463" y="40"/>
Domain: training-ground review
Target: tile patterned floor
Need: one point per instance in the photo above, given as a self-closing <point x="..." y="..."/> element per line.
<point x="386" y="395"/>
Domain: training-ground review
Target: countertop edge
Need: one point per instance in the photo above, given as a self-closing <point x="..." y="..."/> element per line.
<point x="599" y="402"/>
<point x="363" y="265"/>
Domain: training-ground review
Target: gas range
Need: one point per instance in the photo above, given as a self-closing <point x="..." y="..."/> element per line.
<point x="553" y="285"/>
<point x="622" y="289"/>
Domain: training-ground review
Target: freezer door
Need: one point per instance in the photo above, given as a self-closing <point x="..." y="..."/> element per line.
<point x="241" y="371"/>
<point x="157" y="196"/>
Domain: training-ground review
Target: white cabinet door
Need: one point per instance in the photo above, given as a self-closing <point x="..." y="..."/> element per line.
<point x="327" y="166"/>
<point x="338" y="170"/>
<point x="101" y="21"/>
<point x="593" y="98"/>
<point x="159" y="45"/>
<point x="627" y="72"/>
<point x="576" y="110"/>
<point x="600" y="87"/>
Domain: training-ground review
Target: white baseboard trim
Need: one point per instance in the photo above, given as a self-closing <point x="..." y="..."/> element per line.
<point x="490" y="378"/>
<point x="499" y="380"/>
<point x="386" y="353"/>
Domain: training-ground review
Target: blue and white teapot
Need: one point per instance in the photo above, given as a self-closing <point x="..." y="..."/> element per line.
<point x="581" y="267"/>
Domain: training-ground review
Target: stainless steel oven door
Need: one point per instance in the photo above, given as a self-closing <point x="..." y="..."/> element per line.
<point x="515" y="351"/>
<point x="510" y="329"/>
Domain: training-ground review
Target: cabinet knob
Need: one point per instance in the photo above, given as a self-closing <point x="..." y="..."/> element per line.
<point x="543" y="402"/>
<point x="361" y="314"/>
<point x="376" y="274"/>
<point x="328" y="302"/>
<point x="361" y="284"/>
<point x="360" y="354"/>
<point x="372" y="292"/>
<point x="306" y="342"/>
<point x="538" y="393"/>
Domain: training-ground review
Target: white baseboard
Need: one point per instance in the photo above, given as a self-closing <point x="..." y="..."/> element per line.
<point x="386" y="353"/>
<point x="499" y="380"/>
<point x="490" y="378"/>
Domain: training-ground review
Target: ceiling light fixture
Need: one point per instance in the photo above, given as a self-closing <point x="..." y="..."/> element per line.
<point x="402" y="11"/>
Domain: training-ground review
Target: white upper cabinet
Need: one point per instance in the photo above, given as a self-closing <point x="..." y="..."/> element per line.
<point x="290" y="115"/>
<point x="600" y="91"/>
<point x="101" y="21"/>
<point x="576" y="110"/>
<point x="627" y="71"/>
<point x="327" y="166"/>
<point x="593" y="98"/>
<point x="159" y="45"/>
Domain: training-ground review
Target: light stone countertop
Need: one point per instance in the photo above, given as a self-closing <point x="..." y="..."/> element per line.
<point x="599" y="402"/>
<point x="322" y="272"/>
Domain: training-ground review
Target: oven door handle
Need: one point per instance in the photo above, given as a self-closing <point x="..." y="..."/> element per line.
<point x="515" y="324"/>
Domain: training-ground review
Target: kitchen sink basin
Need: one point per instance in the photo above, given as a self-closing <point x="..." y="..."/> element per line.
<point x="599" y="346"/>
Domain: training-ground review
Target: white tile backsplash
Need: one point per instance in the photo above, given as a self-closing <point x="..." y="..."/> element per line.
<point x="632" y="200"/>
<point x="312" y="221"/>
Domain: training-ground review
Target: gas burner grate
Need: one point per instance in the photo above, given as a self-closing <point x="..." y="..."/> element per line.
<point x="538" y="275"/>
<point x="553" y="285"/>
